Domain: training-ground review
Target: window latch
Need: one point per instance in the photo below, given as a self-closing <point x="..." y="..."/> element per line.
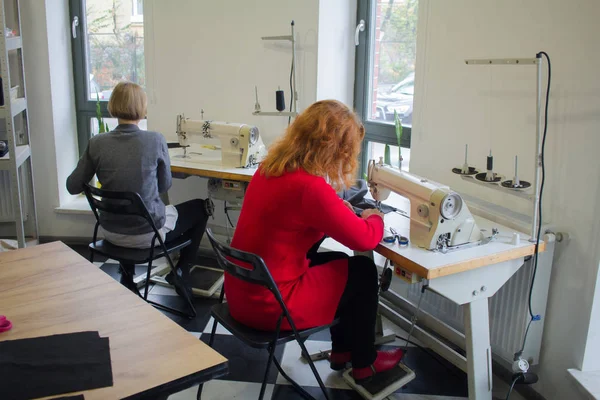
<point x="74" y="26"/>
<point x="359" y="28"/>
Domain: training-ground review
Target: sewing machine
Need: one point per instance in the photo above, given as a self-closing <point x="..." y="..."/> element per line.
<point x="241" y="144"/>
<point x="439" y="218"/>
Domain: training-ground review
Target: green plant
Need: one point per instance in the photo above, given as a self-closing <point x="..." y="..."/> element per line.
<point x="398" y="123"/>
<point x="102" y="126"/>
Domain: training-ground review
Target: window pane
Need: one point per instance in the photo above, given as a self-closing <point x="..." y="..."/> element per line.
<point x="112" y="123"/>
<point x="392" y="60"/>
<point x="376" y="150"/>
<point x="114" y="46"/>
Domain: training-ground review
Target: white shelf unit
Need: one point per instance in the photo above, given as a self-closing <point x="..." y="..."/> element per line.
<point x="17" y="197"/>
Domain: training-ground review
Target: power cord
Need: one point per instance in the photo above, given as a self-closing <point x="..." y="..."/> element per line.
<point x="291" y="91"/>
<point x="532" y="316"/>
<point x="512" y="385"/>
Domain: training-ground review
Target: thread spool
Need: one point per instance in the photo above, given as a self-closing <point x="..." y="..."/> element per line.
<point x="279" y="100"/>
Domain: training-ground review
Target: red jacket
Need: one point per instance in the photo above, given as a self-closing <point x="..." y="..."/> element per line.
<point x="281" y="218"/>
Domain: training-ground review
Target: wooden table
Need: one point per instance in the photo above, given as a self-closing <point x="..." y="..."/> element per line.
<point x="50" y="289"/>
<point x="206" y="163"/>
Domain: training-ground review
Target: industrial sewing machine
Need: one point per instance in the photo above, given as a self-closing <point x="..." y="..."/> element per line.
<point x="439" y="218"/>
<point x="241" y="144"/>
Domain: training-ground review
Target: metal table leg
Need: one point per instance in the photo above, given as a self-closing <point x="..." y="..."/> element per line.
<point x="479" y="351"/>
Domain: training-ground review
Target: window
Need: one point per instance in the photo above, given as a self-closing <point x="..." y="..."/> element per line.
<point x="137" y="13"/>
<point x="108" y="47"/>
<point x="385" y="75"/>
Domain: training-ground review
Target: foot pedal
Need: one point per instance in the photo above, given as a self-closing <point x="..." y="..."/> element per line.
<point x="383" y="384"/>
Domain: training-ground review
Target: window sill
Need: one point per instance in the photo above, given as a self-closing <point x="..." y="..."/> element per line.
<point x="588" y="382"/>
<point x="77" y="206"/>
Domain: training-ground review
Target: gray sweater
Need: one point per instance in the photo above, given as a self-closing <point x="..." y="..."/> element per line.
<point x="127" y="159"/>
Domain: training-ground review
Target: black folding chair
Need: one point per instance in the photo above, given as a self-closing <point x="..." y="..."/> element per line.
<point x="130" y="203"/>
<point x="259" y="275"/>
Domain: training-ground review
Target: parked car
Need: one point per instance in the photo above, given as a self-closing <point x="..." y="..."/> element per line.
<point x="400" y="99"/>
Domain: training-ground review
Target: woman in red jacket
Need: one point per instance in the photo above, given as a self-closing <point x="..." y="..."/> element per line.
<point x="290" y="204"/>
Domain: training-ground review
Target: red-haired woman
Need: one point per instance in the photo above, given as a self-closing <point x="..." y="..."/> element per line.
<point x="290" y="204"/>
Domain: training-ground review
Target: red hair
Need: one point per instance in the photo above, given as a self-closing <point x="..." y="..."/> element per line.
<point x="324" y="140"/>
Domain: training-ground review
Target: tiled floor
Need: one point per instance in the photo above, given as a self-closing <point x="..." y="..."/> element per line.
<point x="436" y="378"/>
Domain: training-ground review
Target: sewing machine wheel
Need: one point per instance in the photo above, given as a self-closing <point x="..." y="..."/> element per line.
<point x="254" y="134"/>
<point x="451" y="206"/>
<point x="481" y="177"/>
<point x="522" y="185"/>
<point x="472" y="171"/>
<point x="385" y="280"/>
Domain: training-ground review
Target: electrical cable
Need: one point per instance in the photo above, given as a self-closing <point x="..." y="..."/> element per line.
<point x="512" y="385"/>
<point x="291" y="91"/>
<point x="539" y="206"/>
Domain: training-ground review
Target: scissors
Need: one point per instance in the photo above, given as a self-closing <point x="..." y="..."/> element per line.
<point x="402" y="240"/>
<point x="5" y="325"/>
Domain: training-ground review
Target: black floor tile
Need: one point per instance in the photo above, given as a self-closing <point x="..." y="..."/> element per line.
<point x="435" y="376"/>
<point x="287" y="392"/>
<point x="84" y="251"/>
<point x="201" y="304"/>
<point x="245" y="363"/>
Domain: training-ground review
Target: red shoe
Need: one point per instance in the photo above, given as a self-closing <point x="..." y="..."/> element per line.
<point x="385" y="361"/>
<point x="339" y="361"/>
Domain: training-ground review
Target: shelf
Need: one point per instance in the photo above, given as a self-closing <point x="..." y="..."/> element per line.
<point x="285" y="37"/>
<point x="523" y="193"/>
<point x="275" y="114"/>
<point x="14" y="43"/>
<point x="23" y="153"/>
<point x="17" y="107"/>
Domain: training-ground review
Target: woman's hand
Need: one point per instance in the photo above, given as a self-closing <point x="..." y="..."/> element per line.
<point x="347" y="204"/>
<point x="371" y="211"/>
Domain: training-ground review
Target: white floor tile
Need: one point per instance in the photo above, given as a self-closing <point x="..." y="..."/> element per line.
<point x="220" y="329"/>
<point x="299" y="370"/>
<point x="225" y="390"/>
<point x="408" y="396"/>
<point x="163" y="290"/>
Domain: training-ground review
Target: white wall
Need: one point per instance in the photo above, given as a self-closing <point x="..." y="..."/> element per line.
<point x="336" y="53"/>
<point x="51" y="101"/>
<point x="209" y="55"/>
<point x="591" y="359"/>
<point x="457" y="104"/>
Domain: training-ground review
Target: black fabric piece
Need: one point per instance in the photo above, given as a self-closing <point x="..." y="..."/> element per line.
<point x="357" y="309"/>
<point x="355" y="195"/>
<point x="78" y="397"/>
<point x="53" y="365"/>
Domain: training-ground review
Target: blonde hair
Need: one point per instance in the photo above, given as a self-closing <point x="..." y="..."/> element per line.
<point x="324" y="140"/>
<point x="128" y="102"/>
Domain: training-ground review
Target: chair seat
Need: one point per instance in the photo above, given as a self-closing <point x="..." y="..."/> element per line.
<point x="135" y="256"/>
<point x="256" y="338"/>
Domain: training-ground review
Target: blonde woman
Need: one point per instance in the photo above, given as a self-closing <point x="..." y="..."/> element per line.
<point x="134" y="160"/>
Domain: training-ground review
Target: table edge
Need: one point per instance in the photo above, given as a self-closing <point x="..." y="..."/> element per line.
<point x="463" y="266"/>
<point x="210" y="173"/>
<point x="185" y="382"/>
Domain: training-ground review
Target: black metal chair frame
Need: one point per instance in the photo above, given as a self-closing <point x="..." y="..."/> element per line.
<point x="130" y="203"/>
<point x="259" y="274"/>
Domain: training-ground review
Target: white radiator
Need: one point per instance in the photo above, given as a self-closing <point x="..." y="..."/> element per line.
<point x="6" y="200"/>
<point x="509" y="313"/>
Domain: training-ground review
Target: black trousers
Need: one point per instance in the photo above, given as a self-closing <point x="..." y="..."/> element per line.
<point x="357" y="309"/>
<point x="191" y="223"/>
